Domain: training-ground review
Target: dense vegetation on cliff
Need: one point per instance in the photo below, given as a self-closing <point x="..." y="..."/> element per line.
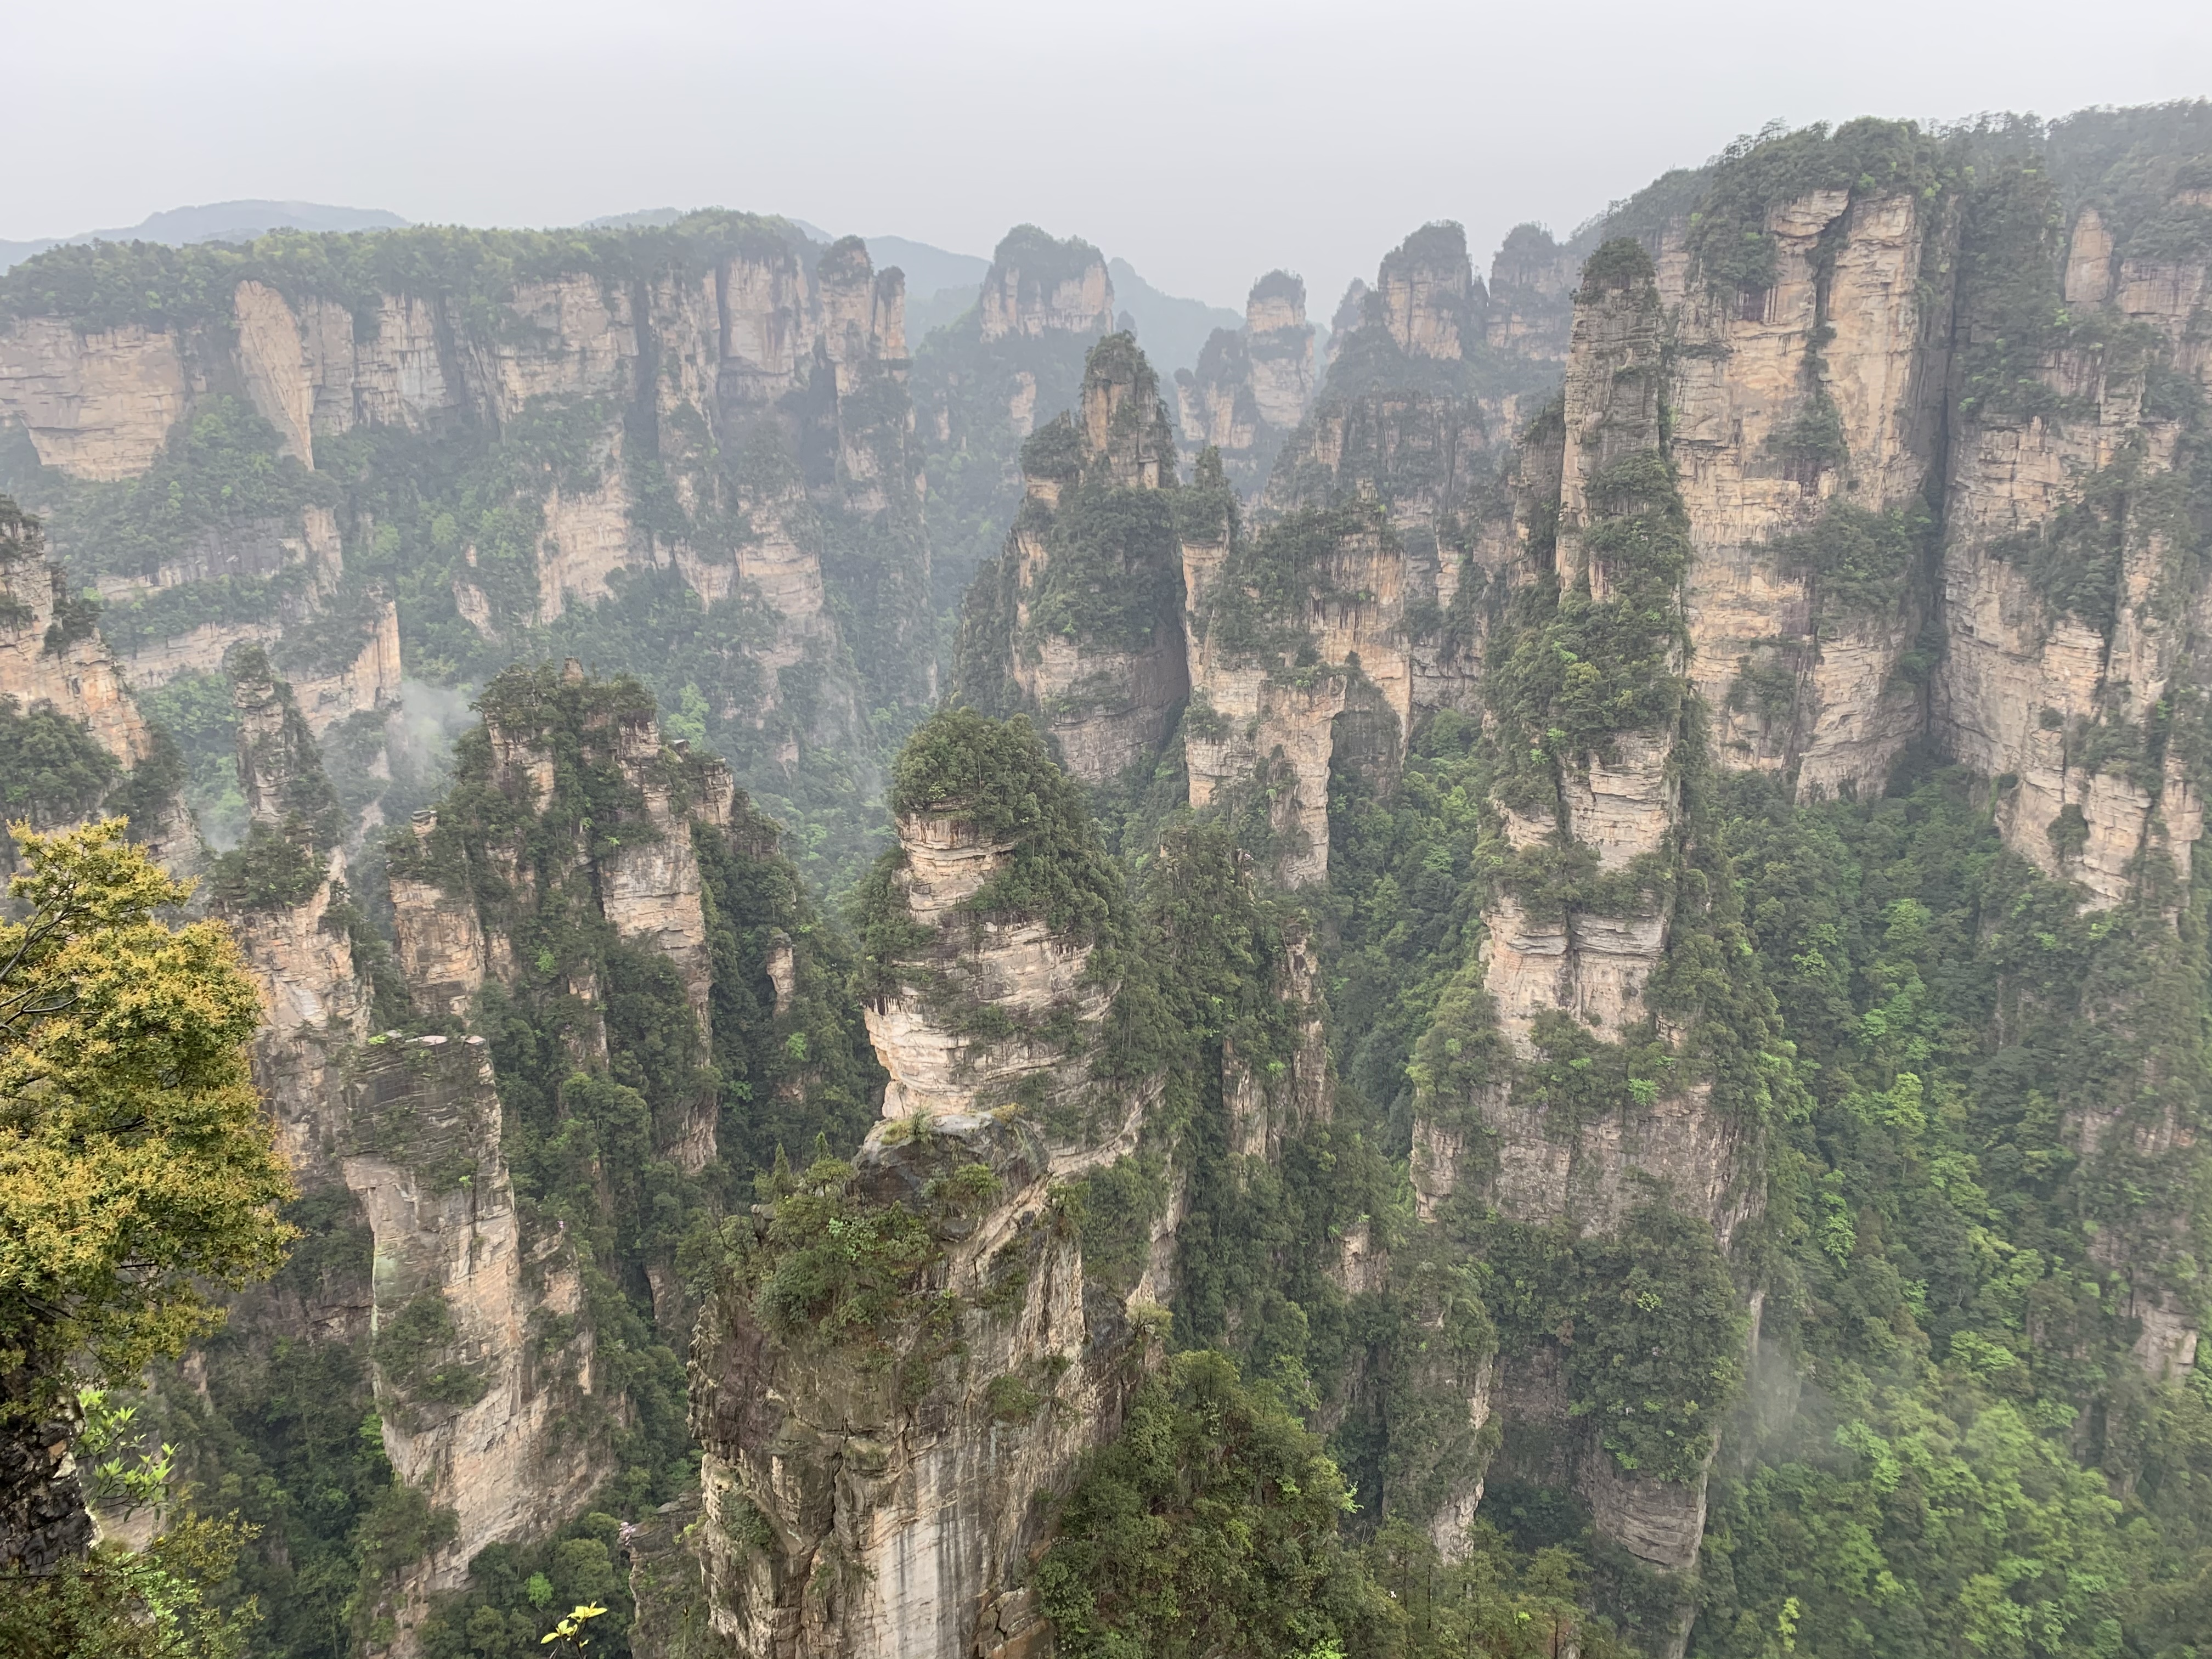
<point x="1581" y="1028"/>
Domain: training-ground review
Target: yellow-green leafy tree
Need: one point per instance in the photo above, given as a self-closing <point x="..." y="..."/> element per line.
<point x="138" y="1174"/>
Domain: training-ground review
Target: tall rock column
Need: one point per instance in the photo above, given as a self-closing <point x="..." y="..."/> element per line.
<point x="483" y="1371"/>
<point x="570" y="830"/>
<point x="282" y="893"/>
<point x="883" y="1448"/>
<point x="1594" y="1093"/>
<point x="1079" y="624"/>
<point x="1251" y="387"/>
<point x="1806" y="427"/>
<point x="481" y="1408"/>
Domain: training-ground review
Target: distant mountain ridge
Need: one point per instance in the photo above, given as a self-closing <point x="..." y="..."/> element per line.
<point x="217" y="222"/>
<point x="940" y="284"/>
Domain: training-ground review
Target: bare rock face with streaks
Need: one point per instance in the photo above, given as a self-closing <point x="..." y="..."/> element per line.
<point x="883" y="1494"/>
<point x="1037" y="286"/>
<point x="1808" y="409"/>
<point x="2069" y="612"/>
<point x="480" y="1413"/>
<point x="1017" y="967"/>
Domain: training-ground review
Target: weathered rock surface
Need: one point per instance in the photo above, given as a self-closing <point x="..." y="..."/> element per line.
<point x="890" y="1509"/>
<point x="1036" y="286"/>
<point x="1251" y="387"/>
<point x="456" y="901"/>
<point x="1852" y="328"/>
<point x="98" y="404"/>
<point x="76" y="673"/>
<point x="1077" y="624"/>
<point x="1016" y="967"/>
<point x="479" y="1413"/>
<point x="623" y="379"/>
<point x="882" y="1491"/>
<point x="2057" y="698"/>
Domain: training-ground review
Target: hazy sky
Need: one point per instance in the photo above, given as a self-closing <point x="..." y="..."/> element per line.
<point x="1205" y="141"/>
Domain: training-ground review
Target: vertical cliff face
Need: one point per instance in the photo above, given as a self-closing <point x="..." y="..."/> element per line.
<point x="282" y="893"/>
<point x="1603" y="897"/>
<point x="97" y="403"/>
<point x="2070" y="609"/>
<point x="1421" y="324"/>
<point x="1078" y="621"/>
<point x="1532" y="284"/>
<point x="1251" y="387"/>
<point x="718" y="412"/>
<point x="571" y="832"/>
<point x="985" y="382"/>
<point x="1917" y="504"/>
<point x="49" y="651"/>
<point x="1298" y="664"/>
<point x="1607" y="794"/>
<point x="884" y="1445"/>
<point x="478" y="1362"/>
<point x="879" y="1489"/>
<point x="1020" y="969"/>
<point x="482" y="1367"/>
<point x="1807" y="421"/>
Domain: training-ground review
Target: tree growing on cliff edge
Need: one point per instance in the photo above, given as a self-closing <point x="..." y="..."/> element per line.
<point x="138" y="1168"/>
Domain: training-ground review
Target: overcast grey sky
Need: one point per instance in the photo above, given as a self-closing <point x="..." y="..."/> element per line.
<point x="1205" y="141"/>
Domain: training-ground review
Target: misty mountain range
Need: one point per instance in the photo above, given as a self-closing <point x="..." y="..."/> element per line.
<point x="940" y="283"/>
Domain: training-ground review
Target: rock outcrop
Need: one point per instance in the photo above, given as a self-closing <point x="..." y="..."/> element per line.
<point x="2068" y="618"/>
<point x="1079" y="622"/>
<point x="725" y="412"/>
<point x="481" y="1396"/>
<point x="1038" y="285"/>
<point x="49" y="651"/>
<point x="1806" y="411"/>
<point x="1251" y="387"/>
<point x="883" y="1494"/>
<point x="985" y="382"/>
<point x="1904" y="526"/>
<point x="479" y="1413"/>
<point x="96" y="403"/>
<point x="572" y="813"/>
<point x="1594" y="898"/>
<point x="879" y="1472"/>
